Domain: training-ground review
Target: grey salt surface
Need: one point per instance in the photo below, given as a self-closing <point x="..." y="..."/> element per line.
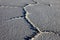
<point x="12" y="25"/>
<point x="15" y="29"/>
<point x="9" y="13"/>
<point x="47" y="36"/>
<point x="45" y="17"/>
<point x="15" y="2"/>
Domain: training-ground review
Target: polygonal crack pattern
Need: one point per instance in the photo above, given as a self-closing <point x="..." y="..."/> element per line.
<point x="13" y="22"/>
<point x="15" y="26"/>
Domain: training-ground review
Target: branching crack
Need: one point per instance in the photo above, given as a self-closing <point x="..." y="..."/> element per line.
<point x="31" y="27"/>
<point x="24" y="16"/>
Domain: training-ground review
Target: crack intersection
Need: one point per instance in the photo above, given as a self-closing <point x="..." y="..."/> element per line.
<point x="36" y="31"/>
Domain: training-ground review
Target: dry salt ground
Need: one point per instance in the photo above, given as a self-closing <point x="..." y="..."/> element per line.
<point x="15" y="29"/>
<point x="47" y="36"/>
<point x="12" y="25"/>
<point x="44" y="15"/>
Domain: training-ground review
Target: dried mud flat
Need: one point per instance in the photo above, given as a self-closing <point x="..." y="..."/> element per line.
<point x="29" y="19"/>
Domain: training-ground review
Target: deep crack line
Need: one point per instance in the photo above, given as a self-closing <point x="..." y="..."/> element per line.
<point x="25" y="16"/>
<point x="32" y="26"/>
<point x="27" y="20"/>
<point x="36" y="28"/>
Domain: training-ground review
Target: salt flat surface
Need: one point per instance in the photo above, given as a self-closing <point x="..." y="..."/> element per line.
<point x="45" y="17"/>
<point x="13" y="26"/>
<point x="10" y="12"/>
<point x="15" y="23"/>
<point x="15" y="30"/>
<point x="15" y="2"/>
<point x="48" y="1"/>
<point x="48" y="36"/>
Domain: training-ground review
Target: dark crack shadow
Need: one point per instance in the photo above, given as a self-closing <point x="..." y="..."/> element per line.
<point x="31" y="36"/>
<point x="31" y="27"/>
<point x="24" y="16"/>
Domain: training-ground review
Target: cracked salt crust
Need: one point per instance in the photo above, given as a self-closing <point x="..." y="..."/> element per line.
<point x="10" y="8"/>
<point x="27" y="14"/>
<point x="30" y="21"/>
<point x="7" y="13"/>
<point x="44" y="17"/>
<point x="38" y="35"/>
<point x="15" y="30"/>
<point x="48" y="36"/>
<point x="34" y="26"/>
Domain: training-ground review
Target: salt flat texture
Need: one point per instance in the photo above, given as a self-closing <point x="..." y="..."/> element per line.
<point x="10" y="12"/>
<point x="16" y="22"/>
<point x="13" y="24"/>
<point x="15" y="2"/>
<point x="47" y="36"/>
<point x="15" y="30"/>
<point x="45" y="15"/>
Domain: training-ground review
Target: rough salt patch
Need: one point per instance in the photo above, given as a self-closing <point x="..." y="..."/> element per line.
<point x="48" y="36"/>
<point x="15" y="2"/>
<point x="15" y="30"/>
<point x="45" y="17"/>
